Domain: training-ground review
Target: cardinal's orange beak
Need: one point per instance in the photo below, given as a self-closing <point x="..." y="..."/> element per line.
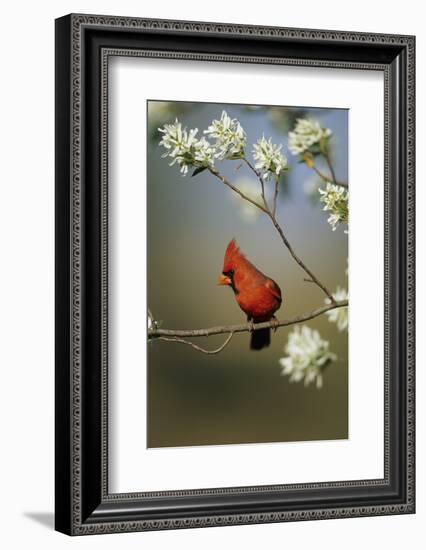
<point x="223" y="280"/>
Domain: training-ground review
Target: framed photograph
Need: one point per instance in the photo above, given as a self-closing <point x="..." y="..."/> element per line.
<point x="210" y="367"/>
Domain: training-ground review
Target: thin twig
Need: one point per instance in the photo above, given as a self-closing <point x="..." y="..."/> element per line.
<point x="252" y="168"/>
<point x="299" y="261"/>
<point x="274" y="209"/>
<point x="321" y="174"/>
<point x="330" y="166"/>
<point x="262" y="182"/>
<point x="328" y="178"/>
<point x="273" y="218"/>
<point x="198" y="348"/>
<point x="242" y="195"/>
<point x="247" y="327"/>
<point x="333" y="173"/>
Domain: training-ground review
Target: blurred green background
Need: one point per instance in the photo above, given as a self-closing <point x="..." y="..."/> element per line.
<point x="239" y="396"/>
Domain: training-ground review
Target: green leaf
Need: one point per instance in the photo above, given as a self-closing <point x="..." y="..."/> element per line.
<point x="198" y="171"/>
<point x="315" y="149"/>
<point x="237" y="156"/>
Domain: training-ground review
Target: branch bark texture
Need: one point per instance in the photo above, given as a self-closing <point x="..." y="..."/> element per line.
<point x="246" y="327"/>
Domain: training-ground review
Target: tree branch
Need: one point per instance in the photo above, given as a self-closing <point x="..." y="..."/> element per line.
<point x="198" y="348"/>
<point x="177" y="334"/>
<point x="299" y="261"/>
<point x="262" y="181"/>
<point x="327" y="178"/>
<point x="330" y="166"/>
<point x="235" y="189"/>
<point x="274" y="209"/>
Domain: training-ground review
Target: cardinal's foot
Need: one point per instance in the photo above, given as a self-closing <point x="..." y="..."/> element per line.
<point x="275" y="323"/>
<point x="251" y="324"/>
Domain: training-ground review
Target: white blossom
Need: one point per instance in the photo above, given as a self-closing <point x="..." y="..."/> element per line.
<point x="336" y="201"/>
<point x="268" y="157"/>
<point x="183" y="147"/>
<point x="306" y="133"/>
<point x="230" y="137"/>
<point x="307" y="356"/>
<point x="340" y="314"/>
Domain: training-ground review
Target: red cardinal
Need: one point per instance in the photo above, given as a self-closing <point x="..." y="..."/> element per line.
<point x="257" y="295"/>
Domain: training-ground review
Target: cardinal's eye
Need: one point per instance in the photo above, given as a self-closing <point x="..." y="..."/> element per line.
<point x="229" y="273"/>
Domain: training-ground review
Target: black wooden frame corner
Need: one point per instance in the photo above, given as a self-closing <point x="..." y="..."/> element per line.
<point x="84" y="44"/>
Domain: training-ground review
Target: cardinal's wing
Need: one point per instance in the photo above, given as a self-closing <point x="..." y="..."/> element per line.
<point x="274" y="288"/>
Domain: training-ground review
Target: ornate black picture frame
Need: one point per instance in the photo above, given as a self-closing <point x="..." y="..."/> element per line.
<point x="83" y="45"/>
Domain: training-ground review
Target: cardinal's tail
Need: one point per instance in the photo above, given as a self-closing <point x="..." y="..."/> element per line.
<point x="260" y="338"/>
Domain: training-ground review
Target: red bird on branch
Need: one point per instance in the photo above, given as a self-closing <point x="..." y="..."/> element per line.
<point x="257" y="295"/>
